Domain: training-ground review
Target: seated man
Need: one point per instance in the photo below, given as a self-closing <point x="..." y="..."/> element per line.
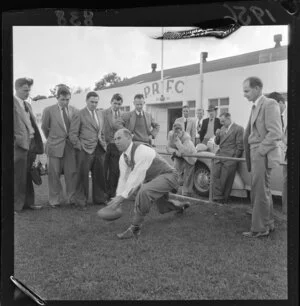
<point x="230" y="141"/>
<point x="147" y="177"/>
<point x="179" y="142"/>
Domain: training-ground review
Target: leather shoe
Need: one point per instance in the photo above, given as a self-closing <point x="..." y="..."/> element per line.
<point x="131" y="232"/>
<point x="256" y="234"/>
<point x="182" y="208"/>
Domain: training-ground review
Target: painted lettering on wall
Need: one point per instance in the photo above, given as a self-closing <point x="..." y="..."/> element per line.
<point x="170" y="87"/>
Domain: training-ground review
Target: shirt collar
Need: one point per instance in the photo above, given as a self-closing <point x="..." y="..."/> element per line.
<point x="142" y="113"/>
<point x="127" y="152"/>
<point x="19" y="99"/>
<point x="229" y="126"/>
<point x="257" y="100"/>
<point x="62" y="108"/>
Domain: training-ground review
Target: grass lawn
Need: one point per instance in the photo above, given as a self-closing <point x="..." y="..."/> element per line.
<point x="67" y="254"/>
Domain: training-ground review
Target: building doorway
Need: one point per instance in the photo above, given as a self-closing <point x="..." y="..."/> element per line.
<point x="173" y="114"/>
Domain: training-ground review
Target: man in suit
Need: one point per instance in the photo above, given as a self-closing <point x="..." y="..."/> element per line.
<point x="139" y="122"/>
<point x="198" y="124"/>
<point x="61" y="155"/>
<point x="180" y="143"/>
<point x="209" y="125"/>
<point x="27" y="144"/>
<point x="230" y="141"/>
<point x="111" y="162"/>
<point x="262" y="152"/>
<point x="187" y="122"/>
<point x="145" y="177"/>
<point x="86" y="134"/>
<point x="283" y="144"/>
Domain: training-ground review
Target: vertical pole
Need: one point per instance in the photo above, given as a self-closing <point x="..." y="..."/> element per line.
<point x="162" y="64"/>
<point x="211" y="182"/>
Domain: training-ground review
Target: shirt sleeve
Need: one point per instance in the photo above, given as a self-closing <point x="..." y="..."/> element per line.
<point x="143" y="158"/>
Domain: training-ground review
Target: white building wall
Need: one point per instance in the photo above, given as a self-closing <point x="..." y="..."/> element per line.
<point x="217" y="84"/>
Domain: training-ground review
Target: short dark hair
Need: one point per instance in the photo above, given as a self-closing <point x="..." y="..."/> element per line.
<point x="226" y="115"/>
<point x="254" y="81"/>
<point x="138" y="96"/>
<point x="63" y="91"/>
<point x="276" y="96"/>
<point x="117" y="97"/>
<point x="91" y="94"/>
<point x="185" y="106"/>
<point x="23" y="81"/>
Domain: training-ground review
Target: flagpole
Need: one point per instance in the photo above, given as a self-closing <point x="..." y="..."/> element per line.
<point x="162" y="98"/>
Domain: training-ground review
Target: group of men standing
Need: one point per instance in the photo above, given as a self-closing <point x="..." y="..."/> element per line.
<point x="77" y="142"/>
<point x="80" y="141"/>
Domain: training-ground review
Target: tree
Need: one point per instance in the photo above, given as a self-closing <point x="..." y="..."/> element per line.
<point x="39" y="97"/>
<point x="108" y="80"/>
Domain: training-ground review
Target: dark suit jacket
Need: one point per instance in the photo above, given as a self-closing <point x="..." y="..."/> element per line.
<point x="84" y="132"/>
<point x="128" y="120"/>
<point x="109" y="128"/>
<point x="54" y="129"/>
<point x="21" y="131"/>
<point x="217" y="125"/>
<point x="230" y="144"/>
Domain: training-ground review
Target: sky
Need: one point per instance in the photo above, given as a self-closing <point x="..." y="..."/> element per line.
<point x="81" y="56"/>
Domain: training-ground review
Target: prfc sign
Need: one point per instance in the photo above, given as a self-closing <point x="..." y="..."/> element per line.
<point x="171" y="88"/>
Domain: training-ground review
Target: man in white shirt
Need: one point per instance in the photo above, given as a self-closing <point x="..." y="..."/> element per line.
<point x="56" y="121"/>
<point x="145" y="176"/>
<point x="199" y="118"/>
<point x="187" y="122"/>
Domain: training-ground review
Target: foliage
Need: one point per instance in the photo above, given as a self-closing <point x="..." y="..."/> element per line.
<point x="39" y="97"/>
<point x="108" y="80"/>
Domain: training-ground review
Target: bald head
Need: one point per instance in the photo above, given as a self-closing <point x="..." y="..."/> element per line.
<point x="123" y="139"/>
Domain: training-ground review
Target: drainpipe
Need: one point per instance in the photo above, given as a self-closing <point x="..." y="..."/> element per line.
<point x="162" y="97"/>
<point x="203" y="56"/>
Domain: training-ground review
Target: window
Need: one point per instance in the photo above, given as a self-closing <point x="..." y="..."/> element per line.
<point x="125" y="108"/>
<point x="221" y="103"/>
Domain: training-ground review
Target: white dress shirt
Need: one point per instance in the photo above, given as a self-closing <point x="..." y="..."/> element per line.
<point x="94" y="114"/>
<point x="129" y="180"/>
<point x="138" y="113"/>
<point x="197" y="122"/>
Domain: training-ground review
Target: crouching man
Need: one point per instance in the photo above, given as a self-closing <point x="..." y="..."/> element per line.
<point x="179" y="143"/>
<point x="145" y="176"/>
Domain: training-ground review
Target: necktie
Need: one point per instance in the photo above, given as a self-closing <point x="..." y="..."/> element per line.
<point x="66" y="119"/>
<point x="127" y="160"/>
<point x="93" y="113"/>
<point x="116" y="115"/>
<point x="185" y="124"/>
<point x="282" y="122"/>
<point x="26" y="107"/>
<point x="139" y="114"/>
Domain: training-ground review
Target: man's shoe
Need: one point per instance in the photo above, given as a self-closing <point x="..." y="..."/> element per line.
<point x="54" y="205"/>
<point x="256" y="234"/>
<point x="249" y="211"/>
<point x="183" y="207"/>
<point x="35" y="207"/>
<point x="131" y="232"/>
